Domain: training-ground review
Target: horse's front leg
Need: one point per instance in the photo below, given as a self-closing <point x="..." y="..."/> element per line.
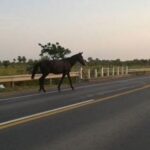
<point x="41" y="81"/>
<point x="40" y="84"/>
<point x="61" y="80"/>
<point x="70" y="81"/>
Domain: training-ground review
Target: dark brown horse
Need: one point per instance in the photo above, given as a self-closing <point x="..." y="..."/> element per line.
<point x="57" y="67"/>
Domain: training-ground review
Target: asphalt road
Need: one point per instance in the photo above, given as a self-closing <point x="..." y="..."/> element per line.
<point x="116" y="118"/>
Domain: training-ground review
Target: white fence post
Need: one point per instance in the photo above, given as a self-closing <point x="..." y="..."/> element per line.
<point x="113" y="71"/>
<point x="122" y="70"/>
<point x="127" y="70"/>
<point x="118" y="71"/>
<point x="81" y="73"/>
<point x="89" y="74"/>
<point x="108" y="72"/>
<point x="95" y="75"/>
<point x="102" y="72"/>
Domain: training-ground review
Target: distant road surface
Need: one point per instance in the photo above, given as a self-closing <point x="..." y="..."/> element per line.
<point x="113" y="115"/>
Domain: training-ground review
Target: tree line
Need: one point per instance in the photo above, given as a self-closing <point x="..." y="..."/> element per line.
<point x="118" y="62"/>
<point x="56" y="51"/>
<point x="18" y="60"/>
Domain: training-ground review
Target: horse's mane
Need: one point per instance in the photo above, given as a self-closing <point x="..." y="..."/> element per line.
<point x="73" y="56"/>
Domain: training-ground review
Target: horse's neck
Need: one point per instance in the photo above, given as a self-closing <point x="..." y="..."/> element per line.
<point x="72" y="61"/>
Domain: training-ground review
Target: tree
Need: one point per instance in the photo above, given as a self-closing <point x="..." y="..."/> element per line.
<point x="6" y="63"/>
<point x="30" y="61"/>
<point x="117" y="62"/>
<point x="19" y="59"/>
<point x="91" y="61"/>
<point x="54" y="51"/>
<point x="14" y="60"/>
<point x="30" y="64"/>
<point x="24" y="59"/>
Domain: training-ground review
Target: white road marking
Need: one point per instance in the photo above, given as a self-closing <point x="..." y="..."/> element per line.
<point x="42" y="114"/>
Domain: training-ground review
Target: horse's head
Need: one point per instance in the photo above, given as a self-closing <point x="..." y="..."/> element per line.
<point x="80" y="59"/>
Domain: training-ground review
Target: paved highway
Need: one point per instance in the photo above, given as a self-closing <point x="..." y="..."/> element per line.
<point x="114" y="115"/>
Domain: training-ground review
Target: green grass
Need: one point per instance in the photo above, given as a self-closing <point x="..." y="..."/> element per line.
<point x="16" y="69"/>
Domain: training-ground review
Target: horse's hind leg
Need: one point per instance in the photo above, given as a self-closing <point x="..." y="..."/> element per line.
<point x="60" y="82"/>
<point x="70" y="81"/>
<point x="41" y="82"/>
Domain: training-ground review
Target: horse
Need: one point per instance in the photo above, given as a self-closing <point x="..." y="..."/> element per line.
<point x="62" y="66"/>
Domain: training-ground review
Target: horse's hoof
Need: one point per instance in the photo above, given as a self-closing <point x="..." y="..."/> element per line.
<point x="59" y="90"/>
<point x="44" y="91"/>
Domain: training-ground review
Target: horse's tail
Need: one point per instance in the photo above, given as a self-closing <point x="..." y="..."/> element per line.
<point x="35" y="68"/>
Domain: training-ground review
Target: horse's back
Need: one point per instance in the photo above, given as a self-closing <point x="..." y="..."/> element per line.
<point x="59" y="66"/>
<point x="55" y="66"/>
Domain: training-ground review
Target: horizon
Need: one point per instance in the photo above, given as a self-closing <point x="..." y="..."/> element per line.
<point x="37" y="59"/>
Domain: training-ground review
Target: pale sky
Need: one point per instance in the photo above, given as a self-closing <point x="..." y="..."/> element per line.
<point x="104" y="29"/>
